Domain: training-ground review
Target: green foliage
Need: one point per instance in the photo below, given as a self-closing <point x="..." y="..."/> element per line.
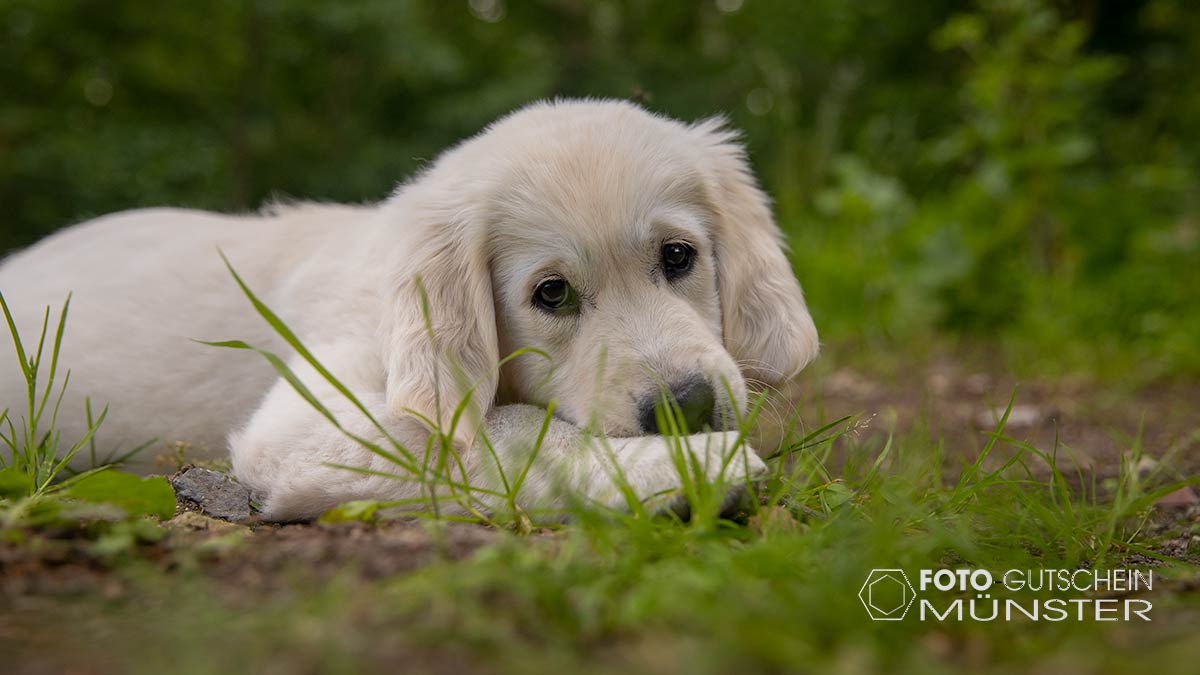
<point x="359" y="511"/>
<point x="33" y="490"/>
<point x="1023" y="171"/>
<point x="1029" y="226"/>
<point x="137" y="496"/>
<point x="34" y="450"/>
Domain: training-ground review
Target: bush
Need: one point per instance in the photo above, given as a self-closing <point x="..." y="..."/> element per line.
<point x="1021" y="172"/>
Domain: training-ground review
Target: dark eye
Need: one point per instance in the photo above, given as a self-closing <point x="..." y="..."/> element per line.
<point x="677" y="260"/>
<point x="555" y="295"/>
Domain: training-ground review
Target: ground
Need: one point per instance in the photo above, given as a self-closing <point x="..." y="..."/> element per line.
<point x="957" y="402"/>
<point x="209" y="596"/>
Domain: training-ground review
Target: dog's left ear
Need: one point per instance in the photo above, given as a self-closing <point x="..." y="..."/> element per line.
<point x="767" y="326"/>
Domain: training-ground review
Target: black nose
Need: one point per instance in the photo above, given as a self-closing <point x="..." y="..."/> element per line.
<point x="695" y="398"/>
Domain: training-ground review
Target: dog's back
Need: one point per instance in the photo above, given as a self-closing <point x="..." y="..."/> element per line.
<point x="144" y="286"/>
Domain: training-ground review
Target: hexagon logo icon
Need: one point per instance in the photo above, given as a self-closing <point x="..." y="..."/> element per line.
<point x="887" y="594"/>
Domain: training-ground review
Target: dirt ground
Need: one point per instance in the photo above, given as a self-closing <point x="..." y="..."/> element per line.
<point x="1092" y="424"/>
<point x="945" y="400"/>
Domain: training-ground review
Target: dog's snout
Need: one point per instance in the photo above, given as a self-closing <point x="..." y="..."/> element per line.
<point x="695" y="398"/>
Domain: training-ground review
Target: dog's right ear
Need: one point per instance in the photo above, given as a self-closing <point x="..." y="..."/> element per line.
<point x="439" y="337"/>
<point x="768" y="329"/>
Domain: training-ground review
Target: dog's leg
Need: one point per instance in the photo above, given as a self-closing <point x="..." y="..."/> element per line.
<point x="570" y="463"/>
<point x="289" y="453"/>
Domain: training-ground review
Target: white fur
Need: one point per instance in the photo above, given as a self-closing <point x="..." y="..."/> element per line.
<point x="587" y="189"/>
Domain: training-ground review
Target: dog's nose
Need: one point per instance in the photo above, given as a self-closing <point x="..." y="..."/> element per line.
<point x="695" y="398"/>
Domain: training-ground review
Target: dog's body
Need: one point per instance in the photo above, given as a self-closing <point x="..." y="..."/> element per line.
<point x="146" y="283"/>
<point x="649" y="254"/>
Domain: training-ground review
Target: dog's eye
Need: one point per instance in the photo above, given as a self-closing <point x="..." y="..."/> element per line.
<point x="677" y="260"/>
<point x="555" y="295"/>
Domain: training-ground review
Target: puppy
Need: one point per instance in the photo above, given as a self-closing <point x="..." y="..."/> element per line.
<point x="634" y="253"/>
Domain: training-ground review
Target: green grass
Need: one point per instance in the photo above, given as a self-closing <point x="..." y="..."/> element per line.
<point x="34" y="459"/>
<point x="777" y="593"/>
<point x="37" y="483"/>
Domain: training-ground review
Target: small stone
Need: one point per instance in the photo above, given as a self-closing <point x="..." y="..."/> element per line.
<point x="1146" y="465"/>
<point x="197" y="522"/>
<point x="1020" y="417"/>
<point x="217" y="495"/>
<point x="773" y="519"/>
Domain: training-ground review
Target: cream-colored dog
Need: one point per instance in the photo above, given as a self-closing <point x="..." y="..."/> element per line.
<point x="634" y="251"/>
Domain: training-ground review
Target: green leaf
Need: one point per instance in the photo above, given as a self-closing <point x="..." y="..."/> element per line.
<point x="152" y="496"/>
<point x="835" y="494"/>
<point x="14" y="483"/>
<point x="362" y="511"/>
<point x="118" y="539"/>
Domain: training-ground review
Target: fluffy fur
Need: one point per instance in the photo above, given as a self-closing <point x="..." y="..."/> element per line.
<point x="588" y="190"/>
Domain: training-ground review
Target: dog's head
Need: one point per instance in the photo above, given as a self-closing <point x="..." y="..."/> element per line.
<point x="636" y="252"/>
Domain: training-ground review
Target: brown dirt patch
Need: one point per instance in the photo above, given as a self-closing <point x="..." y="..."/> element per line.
<point x="957" y="405"/>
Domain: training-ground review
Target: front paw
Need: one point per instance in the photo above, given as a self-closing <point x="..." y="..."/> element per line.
<point x="664" y="471"/>
<point x="737" y="503"/>
<point x="725" y="460"/>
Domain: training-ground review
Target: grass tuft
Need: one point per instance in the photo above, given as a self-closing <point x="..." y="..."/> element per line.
<point x="37" y="483"/>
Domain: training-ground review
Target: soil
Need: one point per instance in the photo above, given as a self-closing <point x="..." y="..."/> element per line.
<point x="250" y="555"/>
<point x="1093" y="426"/>
<point x="1096" y="426"/>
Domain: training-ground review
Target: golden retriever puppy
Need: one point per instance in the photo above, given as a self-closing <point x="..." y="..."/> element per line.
<point x="634" y="252"/>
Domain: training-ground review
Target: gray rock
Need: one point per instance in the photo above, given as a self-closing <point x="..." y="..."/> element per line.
<point x="217" y="495"/>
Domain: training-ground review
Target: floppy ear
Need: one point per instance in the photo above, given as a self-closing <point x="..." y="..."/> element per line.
<point x="440" y="338"/>
<point x="767" y="326"/>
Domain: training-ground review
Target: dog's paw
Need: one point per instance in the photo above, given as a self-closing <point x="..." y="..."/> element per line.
<point x="725" y="460"/>
<point x="737" y="504"/>
<point x="659" y="470"/>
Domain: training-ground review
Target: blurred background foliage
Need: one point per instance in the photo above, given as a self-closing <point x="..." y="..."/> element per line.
<point x="1015" y="173"/>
